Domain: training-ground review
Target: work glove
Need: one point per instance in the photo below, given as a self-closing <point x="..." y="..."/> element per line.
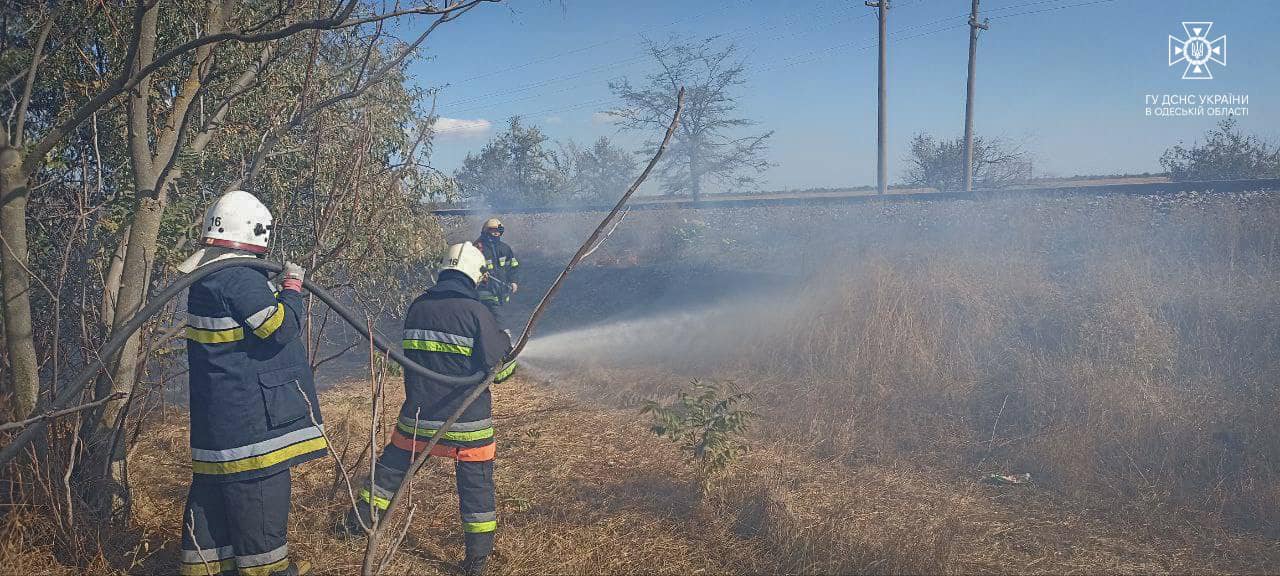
<point x="293" y="276"/>
<point x="515" y="287"/>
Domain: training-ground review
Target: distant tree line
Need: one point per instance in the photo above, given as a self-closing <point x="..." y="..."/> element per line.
<point x="522" y="167"/>
<point x="1225" y="154"/>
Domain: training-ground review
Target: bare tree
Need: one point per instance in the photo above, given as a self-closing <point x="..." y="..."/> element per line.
<point x="705" y="146"/>
<point x="940" y="164"/>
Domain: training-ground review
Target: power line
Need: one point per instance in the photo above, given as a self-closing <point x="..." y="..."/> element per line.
<point x="805" y="58"/>
<point x="610" y="66"/>
<point x="1052" y="9"/>
<point x="581" y="49"/>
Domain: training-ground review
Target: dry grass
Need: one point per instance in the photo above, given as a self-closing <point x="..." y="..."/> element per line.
<point x="1120" y="350"/>
<point x="585" y="490"/>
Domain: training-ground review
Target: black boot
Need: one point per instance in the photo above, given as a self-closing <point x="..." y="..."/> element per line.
<point x="474" y="565"/>
<point x="350" y="525"/>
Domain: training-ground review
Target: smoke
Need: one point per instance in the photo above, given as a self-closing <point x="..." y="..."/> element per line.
<point x="680" y="340"/>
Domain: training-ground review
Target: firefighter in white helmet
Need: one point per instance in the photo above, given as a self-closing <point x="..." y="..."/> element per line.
<point x="449" y="331"/>
<point x="501" y="269"/>
<point x="254" y="411"/>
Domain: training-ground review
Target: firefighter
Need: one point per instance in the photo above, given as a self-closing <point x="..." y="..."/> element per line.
<point x="449" y="331"/>
<point x="254" y="412"/>
<point x="500" y="279"/>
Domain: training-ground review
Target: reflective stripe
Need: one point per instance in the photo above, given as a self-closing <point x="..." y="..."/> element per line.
<point x="257" y="448"/>
<point x="257" y="318"/>
<point x="439" y="336"/>
<point x="514" y="262"/>
<point x="480" y="517"/>
<point x="215" y="336"/>
<point x="259" y="462"/>
<point x="194" y="556"/>
<point x="505" y="373"/>
<point x="208" y="323"/>
<point x="502" y="261"/>
<point x="380" y="502"/>
<point x="459" y="436"/>
<point x="272" y="323"/>
<point x="271" y="557"/>
<point x="214" y="568"/>
<point x="265" y="570"/>
<point x="433" y="346"/>
<point x="477" y="527"/>
<point x="474" y="454"/>
<point x="436" y="424"/>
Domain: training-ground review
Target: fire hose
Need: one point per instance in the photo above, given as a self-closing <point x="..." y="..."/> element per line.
<point x="119" y="336"/>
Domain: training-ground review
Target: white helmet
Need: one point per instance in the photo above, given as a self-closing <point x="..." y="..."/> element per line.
<point x="465" y="258"/>
<point x="237" y="220"/>
<point x="236" y="224"/>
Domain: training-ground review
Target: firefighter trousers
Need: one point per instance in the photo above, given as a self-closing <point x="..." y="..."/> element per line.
<point x="497" y="307"/>
<point x="232" y="527"/>
<point x="474" y="474"/>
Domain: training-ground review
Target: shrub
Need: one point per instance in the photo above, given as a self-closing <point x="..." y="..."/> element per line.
<point x="706" y="425"/>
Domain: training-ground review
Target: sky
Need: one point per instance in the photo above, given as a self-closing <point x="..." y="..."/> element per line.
<point x="1064" y="79"/>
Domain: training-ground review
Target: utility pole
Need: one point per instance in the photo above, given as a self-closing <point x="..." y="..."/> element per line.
<point x="974" y="26"/>
<point x="882" y="186"/>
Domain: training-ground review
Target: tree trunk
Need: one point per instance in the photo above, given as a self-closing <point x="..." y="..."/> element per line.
<point x="140" y="258"/>
<point x="18" y="326"/>
<point x="111" y="285"/>
<point x="695" y="174"/>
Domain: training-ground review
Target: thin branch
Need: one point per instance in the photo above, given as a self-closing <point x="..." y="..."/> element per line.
<point x="311" y="411"/>
<point x="191" y="528"/>
<point x="616" y="223"/>
<point x="20" y="124"/>
<point x="59" y="413"/>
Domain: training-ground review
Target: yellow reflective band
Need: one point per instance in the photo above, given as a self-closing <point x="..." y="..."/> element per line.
<point x="505" y="373"/>
<point x="270" y="325"/>
<point x="213" y="568"/>
<point x="381" y="503"/>
<point x="259" y="462"/>
<point x="266" y="569"/>
<point x="474" y="527"/>
<point x="480" y="434"/>
<point x="433" y="346"/>
<point x="514" y="262"/>
<point x="215" y="336"/>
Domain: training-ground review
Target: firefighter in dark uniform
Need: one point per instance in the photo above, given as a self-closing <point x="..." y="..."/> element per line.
<point x="501" y="269"/>
<point x="449" y="331"/>
<point x="254" y="412"/>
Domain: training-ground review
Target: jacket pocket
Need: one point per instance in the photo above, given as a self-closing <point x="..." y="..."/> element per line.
<point x="284" y="401"/>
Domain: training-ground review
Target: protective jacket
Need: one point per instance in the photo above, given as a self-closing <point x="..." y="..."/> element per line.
<point x="502" y="267"/>
<point x="254" y="410"/>
<point x="449" y="331"/>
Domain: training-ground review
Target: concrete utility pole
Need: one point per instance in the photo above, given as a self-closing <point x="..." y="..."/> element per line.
<point x="974" y="26"/>
<point x="882" y="185"/>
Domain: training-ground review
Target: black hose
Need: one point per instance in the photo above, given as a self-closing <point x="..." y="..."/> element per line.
<point x="119" y="336"/>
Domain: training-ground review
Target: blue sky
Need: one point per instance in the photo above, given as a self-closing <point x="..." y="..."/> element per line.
<point x="1064" y="78"/>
